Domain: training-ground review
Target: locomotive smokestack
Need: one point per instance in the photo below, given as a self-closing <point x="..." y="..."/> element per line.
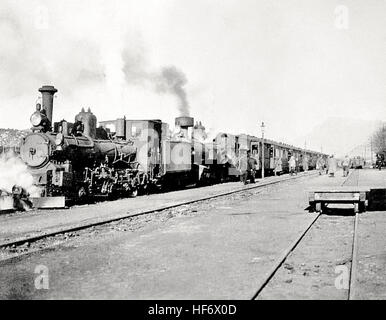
<point x="185" y="123"/>
<point x="48" y="99"/>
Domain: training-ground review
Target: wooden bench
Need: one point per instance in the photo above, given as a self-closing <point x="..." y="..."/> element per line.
<point x="353" y="195"/>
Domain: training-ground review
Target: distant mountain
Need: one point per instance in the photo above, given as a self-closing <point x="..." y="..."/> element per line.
<point x="339" y="136"/>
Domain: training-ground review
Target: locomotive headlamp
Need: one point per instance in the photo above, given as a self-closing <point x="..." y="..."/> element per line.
<point x="36" y="119"/>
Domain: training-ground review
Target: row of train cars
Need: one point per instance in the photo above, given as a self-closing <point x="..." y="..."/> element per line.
<point x="72" y="161"/>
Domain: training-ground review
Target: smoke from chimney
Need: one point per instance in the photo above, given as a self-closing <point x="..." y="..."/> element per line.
<point x="173" y="81"/>
<point x="108" y="66"/>
<point x="167" y="80"/>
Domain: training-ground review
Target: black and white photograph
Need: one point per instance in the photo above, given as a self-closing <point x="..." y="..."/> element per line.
<point x="185" y="150"/>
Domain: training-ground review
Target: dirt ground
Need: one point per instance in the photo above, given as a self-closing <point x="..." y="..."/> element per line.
<point x="216" y="249"/>
<point x="311" y="271"/>
<point x="371" y="265"/>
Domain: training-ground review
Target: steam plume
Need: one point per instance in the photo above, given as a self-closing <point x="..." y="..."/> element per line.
<point x="14" y="172"/>
<point x="173" y="81"/>
<point x="166" y="80"/>
<point x="106" y="66"/>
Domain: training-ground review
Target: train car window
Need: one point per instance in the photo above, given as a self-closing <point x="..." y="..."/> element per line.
<point x="255" y="148"/>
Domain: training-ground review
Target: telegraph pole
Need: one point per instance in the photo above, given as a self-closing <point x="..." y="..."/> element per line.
<point x="365" y="153"/>
<point x="305" y="147"/>
<point x="262" y="150"/>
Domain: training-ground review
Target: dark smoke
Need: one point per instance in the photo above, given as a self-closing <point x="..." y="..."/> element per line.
<point x="173" y="81"/>
<point x="169" y="80"/>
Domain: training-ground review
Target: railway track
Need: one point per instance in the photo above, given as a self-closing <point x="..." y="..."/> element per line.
<point x="292" y="247"/>
<point x="31" y="239"/>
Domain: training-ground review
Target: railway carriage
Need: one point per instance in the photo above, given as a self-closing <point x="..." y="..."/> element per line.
<point x="273" y="151"/>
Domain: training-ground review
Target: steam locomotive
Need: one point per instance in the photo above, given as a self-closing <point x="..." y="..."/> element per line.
<point x="124" y="157"/>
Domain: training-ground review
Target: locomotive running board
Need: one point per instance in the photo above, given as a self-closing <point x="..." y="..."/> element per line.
<point x="48" y="202"/>
<point x="6" y="203"/>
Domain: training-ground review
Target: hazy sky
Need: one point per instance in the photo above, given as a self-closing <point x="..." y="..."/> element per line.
<point x="291" y="64"/>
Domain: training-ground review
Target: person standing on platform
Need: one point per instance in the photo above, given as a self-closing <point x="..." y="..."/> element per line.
<point x="251" y="166"/>
<point x="243" y="165"/>
<point x="379" y="161"/>
<point x="332" y="166"/>
<point x="278" y="166"/>
<point x="346" y="166"/>
<point x="320" y="165"/>
<point x="292" y="165"/>
<point x="305" y="163"/>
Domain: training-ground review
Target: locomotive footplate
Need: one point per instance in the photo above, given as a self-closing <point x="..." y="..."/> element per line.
<point x="347" y="194"/>
<point x="48" y="202"/>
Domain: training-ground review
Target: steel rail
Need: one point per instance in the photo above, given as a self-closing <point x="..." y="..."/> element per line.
<point x="282" y="258"/>
<point x="354" y="255"/>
